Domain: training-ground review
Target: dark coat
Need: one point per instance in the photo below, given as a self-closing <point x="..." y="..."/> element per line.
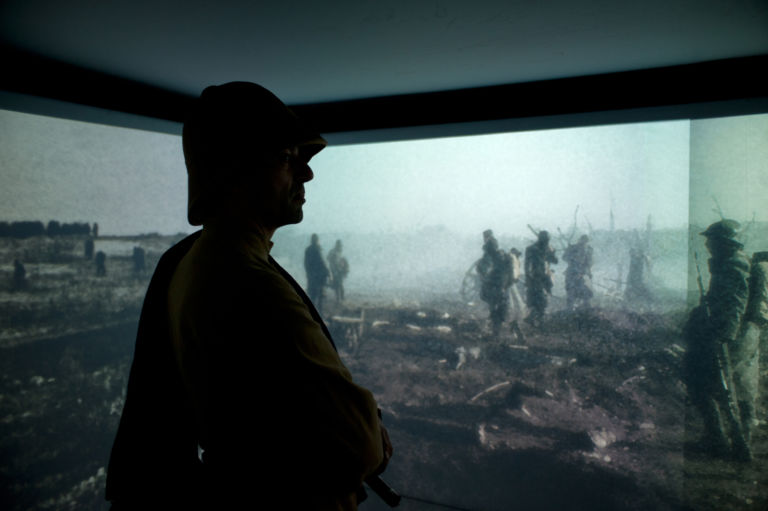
<point x="154" y="457"/>
<point x="154" y="462"/>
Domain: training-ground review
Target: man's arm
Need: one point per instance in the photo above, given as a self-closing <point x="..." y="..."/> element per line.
<point x="285" y="364"/>
<point x="727" y="300"/>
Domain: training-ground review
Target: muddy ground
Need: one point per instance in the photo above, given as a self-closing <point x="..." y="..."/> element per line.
<point x="588" y="413"/>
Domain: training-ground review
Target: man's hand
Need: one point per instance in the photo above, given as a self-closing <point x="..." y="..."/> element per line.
<point x="387" y="448"/>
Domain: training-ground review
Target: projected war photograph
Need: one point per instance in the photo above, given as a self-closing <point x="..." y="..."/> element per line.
<point x="554" y="319"/>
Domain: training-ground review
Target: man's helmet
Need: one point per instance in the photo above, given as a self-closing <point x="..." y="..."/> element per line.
<point x="231" y="124"/>
<point x="724" y="230"/>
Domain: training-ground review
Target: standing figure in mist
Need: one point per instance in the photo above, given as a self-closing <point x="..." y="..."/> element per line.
<point x="637" y="291"/>
<point x="101" y="264"/>
<point x="578" y="274"/>
<point x="339" y="268"/>
<point x="539" y="278"/>
<point x="746" y="352"/>
<point x="88" y="250"/>
<point x="317" y="272"/>
<point x="237" y="398"/>
<point x="495" y="272"/>
<point x="517" y="309"/>
<point x="721" y="370"/>
<point x="19" y="282"/>
<point x="138" y="257"/>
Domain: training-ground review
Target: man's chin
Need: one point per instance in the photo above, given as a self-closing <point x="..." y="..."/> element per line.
<point x="288" y="216"/>
<point x="295" y="217"/>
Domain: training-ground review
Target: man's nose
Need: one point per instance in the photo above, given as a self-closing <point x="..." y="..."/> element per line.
<point x="304" y="173"/>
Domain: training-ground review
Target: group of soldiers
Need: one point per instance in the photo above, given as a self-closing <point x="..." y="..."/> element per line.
<point x="723" y="335"/>
<point x="320" y="274"/>
<point x="496" y="282"/>
<point x="500" y="271"/>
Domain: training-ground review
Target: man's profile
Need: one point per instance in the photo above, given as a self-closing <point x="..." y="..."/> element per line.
<point x="237" y="397"/>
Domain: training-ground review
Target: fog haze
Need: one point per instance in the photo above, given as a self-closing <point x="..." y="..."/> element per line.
<point x="411" y="213"/>
<point x="508" y="180"/>
<point x="131" y="181"/>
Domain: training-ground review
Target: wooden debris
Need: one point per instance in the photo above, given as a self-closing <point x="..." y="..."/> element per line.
<point x="489" y="390"/>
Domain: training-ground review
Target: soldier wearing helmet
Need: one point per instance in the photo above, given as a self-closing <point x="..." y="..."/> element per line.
<point x="538" y="277"/>
<point x="578" y="274"/>
<point x="715" y="354"/>
<point x="745" y="354"/>
<point x="495" y="270"/>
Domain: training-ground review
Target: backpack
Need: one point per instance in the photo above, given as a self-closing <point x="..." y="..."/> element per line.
<point x="757" y="301"/>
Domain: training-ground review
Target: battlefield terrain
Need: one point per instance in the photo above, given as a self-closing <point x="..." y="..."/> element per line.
<point x="588" y="412"/>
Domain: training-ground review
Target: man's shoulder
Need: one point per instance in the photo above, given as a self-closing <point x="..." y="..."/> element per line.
<point x="260" y="274"/>
<point x="736" y="264"/>
<point x="252" y="287"/>
<point x="179" y="249"/>
<point x="170" y="260"/>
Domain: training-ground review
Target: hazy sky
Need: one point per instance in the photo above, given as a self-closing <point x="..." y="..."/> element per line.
<point x="729" y="164"/>
<point x="131" y="181"/>
<point x="505" y="181"/>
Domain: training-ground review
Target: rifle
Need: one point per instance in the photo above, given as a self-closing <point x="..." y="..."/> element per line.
<point x="726" y="389"/>
<point x="383" y="490"/>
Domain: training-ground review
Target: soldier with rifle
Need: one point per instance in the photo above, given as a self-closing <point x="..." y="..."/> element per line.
<point x="713" y="335"/>
<point x="495" y="270"/>
<point x="637" y="291"/>
<point x="538" y="277"/>
<point x="745" y="355"/>
<point x="578" y="274"/>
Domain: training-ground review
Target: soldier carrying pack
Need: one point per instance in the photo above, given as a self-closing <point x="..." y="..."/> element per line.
<point x="723" y="343"/>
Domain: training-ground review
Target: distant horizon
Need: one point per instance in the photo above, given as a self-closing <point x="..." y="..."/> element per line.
<point x="297" y="232"/>
<point x="295" y="229"/>
<point x="132" y="182"/>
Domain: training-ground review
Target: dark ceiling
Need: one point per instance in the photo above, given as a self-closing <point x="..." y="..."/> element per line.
<point x="149" y="56"/>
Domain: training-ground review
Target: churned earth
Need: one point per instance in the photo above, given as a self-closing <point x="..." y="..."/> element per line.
<point x="588" y="412"/>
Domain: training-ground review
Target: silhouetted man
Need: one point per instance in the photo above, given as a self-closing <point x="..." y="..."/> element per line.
<point x="139" y="263"/>
<point x="101" y="264"/>
<point x="517" y="310"/>
<point x="19" y="276"/>
<point x="538" y="277"/>
<point x="637" y="291"/>
<point x="339" y="268"/>
<point x="89" y="248"/>
<point x="237" y="398"/>
<point x="495" y="270"/>
<point x="317" y="272"/>
<point x="721" y="363"/>
<point x="578" y="274"/>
